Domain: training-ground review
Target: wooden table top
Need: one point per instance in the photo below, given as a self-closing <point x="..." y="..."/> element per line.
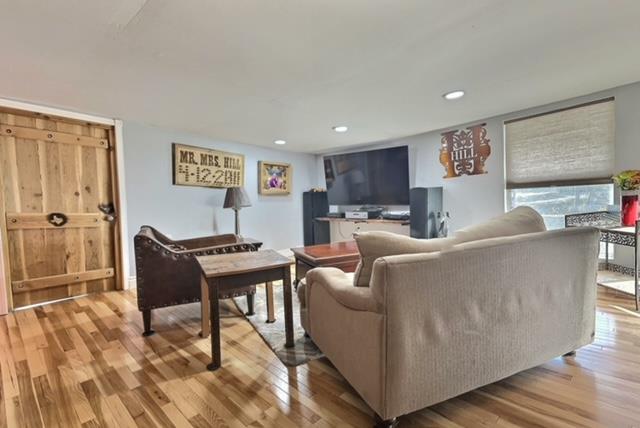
<point x="218" y="265"/>
<point x="333" y="251"/>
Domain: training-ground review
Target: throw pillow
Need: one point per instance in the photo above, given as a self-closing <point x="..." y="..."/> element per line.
<point x="518" y="221"/>
<point x="373" y="245"/>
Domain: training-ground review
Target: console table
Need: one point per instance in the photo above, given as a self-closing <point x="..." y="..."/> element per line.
<point x="612" y="232"/>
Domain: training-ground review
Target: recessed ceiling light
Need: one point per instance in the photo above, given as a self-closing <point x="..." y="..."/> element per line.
<point x="341" y="128"/>
<point x="280" y="142"/>
<point x="453" y="95"/>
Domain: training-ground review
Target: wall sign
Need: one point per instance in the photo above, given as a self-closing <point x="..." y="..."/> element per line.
<point x="275" y="178"/>
<point x="195" y="166"/>
<point x="464" y="151"/>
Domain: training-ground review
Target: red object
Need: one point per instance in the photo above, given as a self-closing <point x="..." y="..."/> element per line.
<point x="630" y="209"/>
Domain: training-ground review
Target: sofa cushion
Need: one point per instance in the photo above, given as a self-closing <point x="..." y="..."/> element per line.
<point x="373" y="245"/>
<point x="518" y="221"/>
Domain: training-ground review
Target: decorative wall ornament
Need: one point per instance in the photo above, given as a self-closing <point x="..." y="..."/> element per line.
<point x="275" y="178"/>
<point x="195" y="166"/>
<point x="464" y="151"/>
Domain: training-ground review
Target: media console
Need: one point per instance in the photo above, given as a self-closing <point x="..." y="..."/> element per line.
<point x="366" y="220"/>
<point x="342" y="229"/>
<point x="320" y="227"/>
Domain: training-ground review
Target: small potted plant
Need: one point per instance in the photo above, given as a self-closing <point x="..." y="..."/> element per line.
<point x="629" y="184"/>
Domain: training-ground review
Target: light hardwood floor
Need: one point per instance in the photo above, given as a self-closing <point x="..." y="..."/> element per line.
<point x="83" y="362"/>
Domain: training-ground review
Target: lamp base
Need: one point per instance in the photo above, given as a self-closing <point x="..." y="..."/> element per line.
<point x="237" y="215"/>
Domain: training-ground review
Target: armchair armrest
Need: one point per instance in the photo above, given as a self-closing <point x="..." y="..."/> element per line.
<point x="341" y="288"/>
<point x="208" y="241"/>
<point x="251" y="241"/>
<point x="238" y="246"/>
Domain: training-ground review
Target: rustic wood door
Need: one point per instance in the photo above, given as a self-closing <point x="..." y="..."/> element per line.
<point x="57" y="207"/>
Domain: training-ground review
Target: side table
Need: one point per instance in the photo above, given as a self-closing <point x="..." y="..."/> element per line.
<point x="612" y="232"/>
<point x="229" y="271"/>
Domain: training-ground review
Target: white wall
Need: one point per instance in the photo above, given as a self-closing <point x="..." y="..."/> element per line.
<point x="191" y="211"/>
<point x="477" y="198"/>
<point x="184" y="212"/>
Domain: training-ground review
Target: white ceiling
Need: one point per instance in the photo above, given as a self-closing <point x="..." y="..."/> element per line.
<point x="253" y="71"/>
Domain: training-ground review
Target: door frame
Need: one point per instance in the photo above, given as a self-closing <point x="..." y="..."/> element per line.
<point x="122" y="281"/>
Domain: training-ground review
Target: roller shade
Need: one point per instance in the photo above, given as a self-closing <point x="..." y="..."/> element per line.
<point x="565" y="147"/>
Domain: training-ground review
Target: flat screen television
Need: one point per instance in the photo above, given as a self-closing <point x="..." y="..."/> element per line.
<point x="374" y="177"/>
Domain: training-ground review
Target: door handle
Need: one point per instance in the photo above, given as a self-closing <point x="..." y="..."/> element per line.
<point x="109" y="212"/>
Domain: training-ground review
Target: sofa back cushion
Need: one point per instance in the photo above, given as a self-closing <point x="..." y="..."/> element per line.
<point x="373" y="245"/>
<point x="518" y="221"/>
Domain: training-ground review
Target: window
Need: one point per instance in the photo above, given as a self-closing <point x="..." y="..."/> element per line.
<point x="562" y="148"/>
<point x="561" y="162"/>
<point x="554" y="202"/>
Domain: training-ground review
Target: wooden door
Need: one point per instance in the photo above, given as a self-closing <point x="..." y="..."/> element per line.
<point x="57" y="202"/>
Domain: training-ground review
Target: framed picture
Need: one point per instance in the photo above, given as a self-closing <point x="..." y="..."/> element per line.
<point x="197" y="166"/>
<point x="275" y="178"/>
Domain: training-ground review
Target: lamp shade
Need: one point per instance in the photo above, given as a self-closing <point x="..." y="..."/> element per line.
<point x="236" y="198"/>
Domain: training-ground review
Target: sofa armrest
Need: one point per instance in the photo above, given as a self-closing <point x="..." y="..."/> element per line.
<point x="341" y="288"/>
<point x="345" y="322"/>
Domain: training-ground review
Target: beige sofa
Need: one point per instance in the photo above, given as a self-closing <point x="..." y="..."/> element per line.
<point x="435" y="324"/>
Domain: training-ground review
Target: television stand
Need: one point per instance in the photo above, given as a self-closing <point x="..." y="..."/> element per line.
<point x="342" y="229"/>
<point x="364" y="220"/>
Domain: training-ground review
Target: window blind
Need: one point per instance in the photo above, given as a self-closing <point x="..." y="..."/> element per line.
<point x="565" y="147"/>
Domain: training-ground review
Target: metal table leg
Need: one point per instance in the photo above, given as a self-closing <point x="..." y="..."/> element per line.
<point x="635" y="267"/>
<point x="606" y="251"/>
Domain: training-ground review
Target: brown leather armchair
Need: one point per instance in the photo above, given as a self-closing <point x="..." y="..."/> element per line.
<point x="168" y="273"/>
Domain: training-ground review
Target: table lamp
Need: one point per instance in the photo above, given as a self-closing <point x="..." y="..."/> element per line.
<point x="236" y="198"/>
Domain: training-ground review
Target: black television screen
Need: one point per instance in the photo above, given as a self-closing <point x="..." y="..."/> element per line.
<point x="375" y="177"/>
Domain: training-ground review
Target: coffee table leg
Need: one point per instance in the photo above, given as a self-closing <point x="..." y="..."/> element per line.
<point x="296" y="280"/>
<point x="288" y="307"/>
<point x="214" y="309"/>
<point x="204" y="307"/>
<point x="271" y="315"/>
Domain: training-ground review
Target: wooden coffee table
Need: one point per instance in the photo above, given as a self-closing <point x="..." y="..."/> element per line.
<point x="342" y="255"/>
<point x="229" y="271"/>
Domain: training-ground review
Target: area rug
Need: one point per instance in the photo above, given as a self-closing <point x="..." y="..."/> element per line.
<point x="273" y="334"/>
<point x="617" y="281"/>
